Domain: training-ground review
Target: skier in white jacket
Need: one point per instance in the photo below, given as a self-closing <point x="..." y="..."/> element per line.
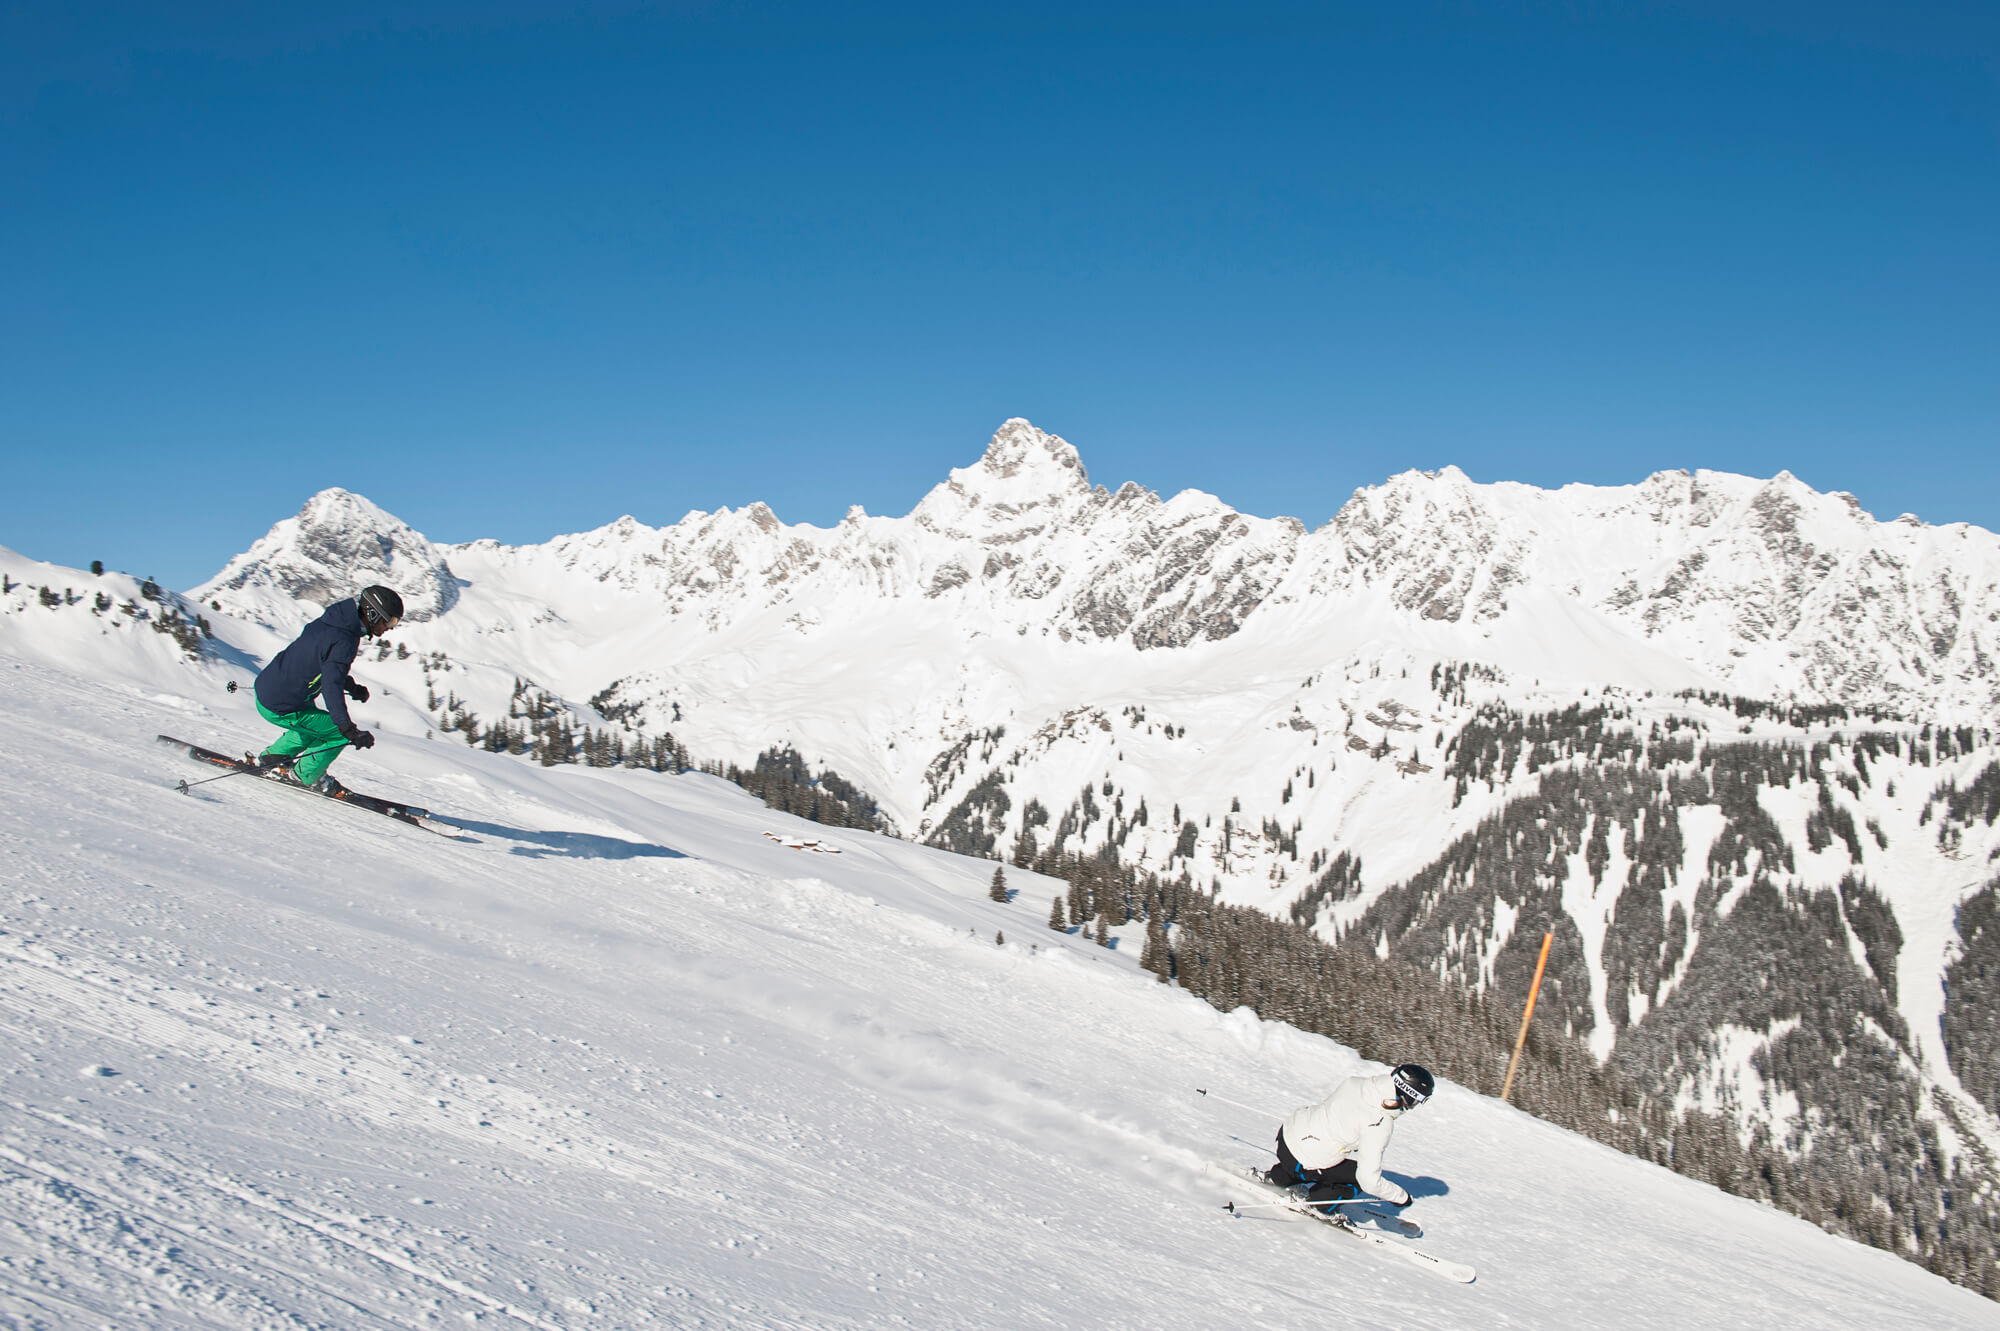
<point x="1336" y="1145"/>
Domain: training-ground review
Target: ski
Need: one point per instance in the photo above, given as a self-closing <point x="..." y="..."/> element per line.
<point x="1394" y="1224"/>
<point x="1292" y="1202"/>
<point x="1350" y="1207"/>
<point x="402" y="813"/>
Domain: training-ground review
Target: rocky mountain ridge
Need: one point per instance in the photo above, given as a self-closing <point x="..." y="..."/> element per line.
<point x="1767" y="588"/>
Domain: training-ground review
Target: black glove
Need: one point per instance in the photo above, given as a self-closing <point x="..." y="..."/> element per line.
<point x="359" y="738"/>
<point x="358" y="692"/>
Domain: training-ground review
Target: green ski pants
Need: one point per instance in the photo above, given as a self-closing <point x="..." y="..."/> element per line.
<point x="310" y="729"/>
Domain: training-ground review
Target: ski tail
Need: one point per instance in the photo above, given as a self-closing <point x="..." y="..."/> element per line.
<point x="1437" y="1266"/>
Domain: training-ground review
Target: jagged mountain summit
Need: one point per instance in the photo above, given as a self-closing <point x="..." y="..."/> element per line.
<point x="338" y="543"/>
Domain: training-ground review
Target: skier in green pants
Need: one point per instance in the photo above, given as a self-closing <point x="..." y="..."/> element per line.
<point x="316" y="666"/>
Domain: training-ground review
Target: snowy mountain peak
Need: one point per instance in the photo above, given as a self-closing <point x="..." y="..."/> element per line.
<point x="337" y="544"/>
<point x="1019" y="449"/>
<point x="1023" y="474"/>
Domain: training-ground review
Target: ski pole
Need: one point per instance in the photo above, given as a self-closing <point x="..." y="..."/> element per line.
<point x="1200" y="1090"/>
<point x="1302" y="1204"/>
<point x="187" y="786"/>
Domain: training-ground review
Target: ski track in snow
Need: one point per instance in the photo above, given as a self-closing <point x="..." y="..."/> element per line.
<point x="621" y="1061"/>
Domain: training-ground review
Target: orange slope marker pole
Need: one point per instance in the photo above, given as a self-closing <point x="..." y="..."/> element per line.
<point x="1522" y="1038"/>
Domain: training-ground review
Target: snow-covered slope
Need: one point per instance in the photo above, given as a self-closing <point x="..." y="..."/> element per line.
<point x="620" y="1060"/>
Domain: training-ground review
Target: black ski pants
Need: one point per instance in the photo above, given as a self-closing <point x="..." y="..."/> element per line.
<point x="1332" y="1184"/>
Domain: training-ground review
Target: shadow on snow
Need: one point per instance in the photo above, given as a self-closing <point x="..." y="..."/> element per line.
<point x="574" y="845"/>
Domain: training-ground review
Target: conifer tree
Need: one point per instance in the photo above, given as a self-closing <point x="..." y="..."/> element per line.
<point x="1057" y="921"/>
<point x="998" y="891"/>
<point x="1154" y="956"/>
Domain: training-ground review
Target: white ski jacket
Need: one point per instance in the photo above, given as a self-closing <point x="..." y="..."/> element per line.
<point x="1350" y="1124"/>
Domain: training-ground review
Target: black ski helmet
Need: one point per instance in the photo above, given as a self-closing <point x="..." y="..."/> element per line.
<point x="1413" y="1084"/>
<point x="380" y="607"/>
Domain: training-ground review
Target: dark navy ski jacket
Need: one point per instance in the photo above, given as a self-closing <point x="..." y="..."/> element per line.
<point x="315" y="664"/>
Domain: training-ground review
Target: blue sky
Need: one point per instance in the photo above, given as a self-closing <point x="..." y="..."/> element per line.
<point x="516" y="269"/>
